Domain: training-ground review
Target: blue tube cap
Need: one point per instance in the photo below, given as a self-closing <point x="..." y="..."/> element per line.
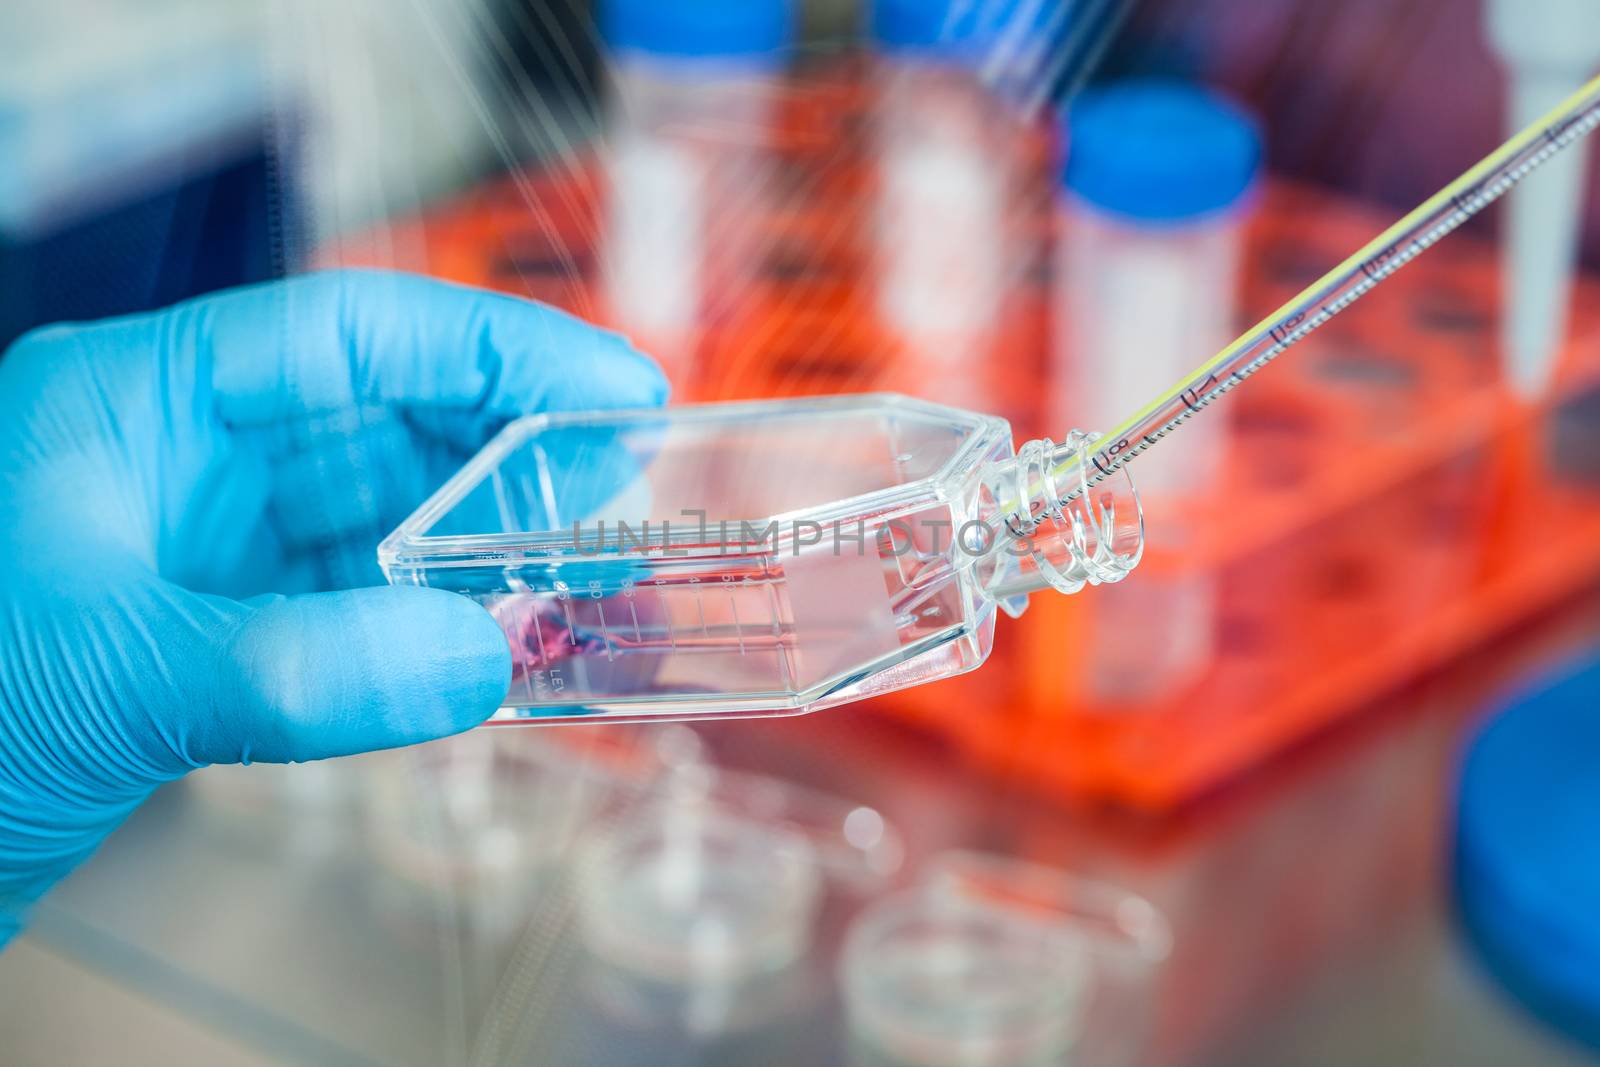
<point x="1160" y="151"/>
<point x="699" y="29"/>
<point x="1527" y="856"/>
<point x="963" y="29"/>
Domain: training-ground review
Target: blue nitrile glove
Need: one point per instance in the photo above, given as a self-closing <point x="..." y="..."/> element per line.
<point x="178" y="489"/>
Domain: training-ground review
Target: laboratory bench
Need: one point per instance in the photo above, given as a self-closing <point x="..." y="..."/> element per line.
<point x="259" y="921"/>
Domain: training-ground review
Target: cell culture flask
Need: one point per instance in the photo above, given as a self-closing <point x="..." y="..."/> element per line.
<point x="756" y="558"/>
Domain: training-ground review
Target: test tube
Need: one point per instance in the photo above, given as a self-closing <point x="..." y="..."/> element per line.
<point x="1549" y="48"/>
<point x="1156" y="187"/>
<point x="693" y="87"/>
<point x="946" y="166"/>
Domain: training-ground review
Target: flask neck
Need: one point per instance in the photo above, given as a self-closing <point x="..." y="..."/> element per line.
<point x="1053" y="531"/>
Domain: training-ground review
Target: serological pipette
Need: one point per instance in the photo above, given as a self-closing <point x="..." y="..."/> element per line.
<point x="1078" y="469"/>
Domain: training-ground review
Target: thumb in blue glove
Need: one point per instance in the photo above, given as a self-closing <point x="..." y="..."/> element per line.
<point x="191" y="503"/>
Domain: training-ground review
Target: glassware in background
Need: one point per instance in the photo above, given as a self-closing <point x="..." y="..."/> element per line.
<point x="699" y="902"/>
<point x="946" y="983"/>
<point x="478" y="826"/>
<point x="994" y="962"/>
<point x="693" y="91"/>
<point x="948" y="152"/>
<point x="1158" y="181"/>
<point x="475" y="838"/>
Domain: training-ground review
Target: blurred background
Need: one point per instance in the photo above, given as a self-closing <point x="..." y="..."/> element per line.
<point x="1239" y="810"/>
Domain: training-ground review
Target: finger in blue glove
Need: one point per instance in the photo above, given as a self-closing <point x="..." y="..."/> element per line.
<point x="165" y="480"/>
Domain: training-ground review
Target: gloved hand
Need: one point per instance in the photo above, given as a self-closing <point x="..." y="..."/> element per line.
<point x="179" y="490"/>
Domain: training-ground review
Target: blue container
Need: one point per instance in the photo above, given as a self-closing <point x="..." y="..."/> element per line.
<point x="1160" y="151"/>
<point x="1527" y="863"/>
<point x="755" y="31"/>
